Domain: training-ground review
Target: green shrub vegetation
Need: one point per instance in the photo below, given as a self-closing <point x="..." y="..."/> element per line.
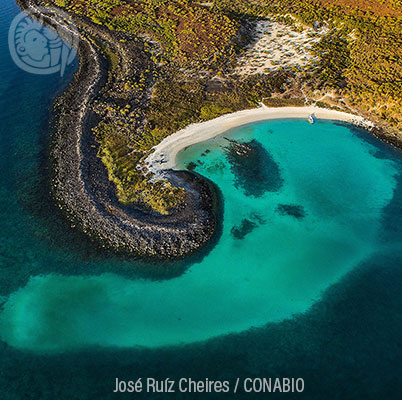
<point x="176" y="104"/>
<point x="359" y="58"/>
<point x="187" y="31"/>
<point x="132" y="187"/>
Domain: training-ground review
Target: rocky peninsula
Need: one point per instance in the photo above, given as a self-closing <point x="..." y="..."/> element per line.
<point x="80" y="181"/>
<point x="132" y="105"/>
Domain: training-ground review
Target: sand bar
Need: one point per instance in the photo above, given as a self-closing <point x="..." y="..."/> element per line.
<point x="165" y="153"/>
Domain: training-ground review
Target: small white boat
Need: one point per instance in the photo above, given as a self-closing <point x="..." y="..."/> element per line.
<point x="311" y="118"/>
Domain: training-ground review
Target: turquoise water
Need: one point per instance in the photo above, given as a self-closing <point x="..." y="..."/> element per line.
<point x="278" y="269"/>
<point x="316" y="267"/>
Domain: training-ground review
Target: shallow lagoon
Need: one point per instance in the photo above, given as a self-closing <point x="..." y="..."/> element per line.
<point x="347" y="344"/>
<point x="318" y="216"/>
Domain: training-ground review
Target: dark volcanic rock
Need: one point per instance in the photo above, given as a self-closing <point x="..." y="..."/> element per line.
<point x="80" y="183"/>
<point x="255" y="170"/>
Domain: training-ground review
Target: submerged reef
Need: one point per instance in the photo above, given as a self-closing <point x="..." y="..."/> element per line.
<point x="246" y="227"/>
<point x="291" y="210"/>
<point x="149" y="69"/>
<point x="255" y="170"/>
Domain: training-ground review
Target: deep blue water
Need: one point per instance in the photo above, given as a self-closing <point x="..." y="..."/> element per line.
<point x="66" y="305"/>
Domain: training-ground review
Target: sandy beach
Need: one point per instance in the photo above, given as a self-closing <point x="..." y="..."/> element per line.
<point x="165" y="154"/>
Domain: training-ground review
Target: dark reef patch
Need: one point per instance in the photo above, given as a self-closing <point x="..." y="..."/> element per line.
<point x="248" y="225"/>
<point x="245" y="228"/>
<point x="255" y="170"/>
<point x="191" y="166"/>
<point x="219" y="166"/>
<point x="291" y="210"/>
<point x="258" y="218"/>
<point x="205" y="153"/>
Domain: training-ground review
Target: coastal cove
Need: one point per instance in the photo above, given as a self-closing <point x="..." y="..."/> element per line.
<point x="167" y="218"/>
<point x="303" y="280"/>
<point x="165" y="153"/>
<point x="305" y="235"/>
<point x="280" y="200"/>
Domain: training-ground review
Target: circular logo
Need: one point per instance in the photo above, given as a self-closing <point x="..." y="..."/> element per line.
<point x="43" y="41"/>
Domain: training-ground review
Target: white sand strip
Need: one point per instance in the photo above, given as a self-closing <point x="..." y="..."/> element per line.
<point x="165" y="154"/>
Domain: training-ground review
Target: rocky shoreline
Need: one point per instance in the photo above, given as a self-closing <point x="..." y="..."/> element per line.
<point x="80" y="181"/>
<point x="83" y="191"/>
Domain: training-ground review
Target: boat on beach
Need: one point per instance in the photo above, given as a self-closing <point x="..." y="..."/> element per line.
<point x="311" y="119"/>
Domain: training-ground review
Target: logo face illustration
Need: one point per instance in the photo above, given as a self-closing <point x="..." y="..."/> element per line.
<point x="43" y="45"/>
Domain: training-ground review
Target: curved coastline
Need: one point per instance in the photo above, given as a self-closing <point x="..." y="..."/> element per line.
<point x="80" y="182"/>
<point x="83" y="191"/>
<point x="165" y="153"/>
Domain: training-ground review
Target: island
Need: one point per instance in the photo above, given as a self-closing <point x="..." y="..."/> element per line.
<point x="156" y="76"/>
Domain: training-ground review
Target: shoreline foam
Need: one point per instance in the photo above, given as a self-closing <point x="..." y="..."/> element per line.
<point x="166" y="152"/>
